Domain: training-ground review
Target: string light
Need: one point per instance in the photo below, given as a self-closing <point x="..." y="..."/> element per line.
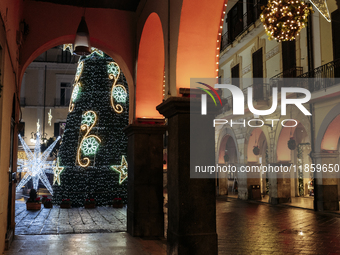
<point x="36" y="166"/>
<point x="118" y="92"/>
<point x="284" y="19"/>
<point x="97" y="180"/>
<point x="89" y="143"/>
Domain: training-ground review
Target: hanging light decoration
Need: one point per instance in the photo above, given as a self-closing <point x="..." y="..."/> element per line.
<point x="82" y="45"/>
<point x="283" y="19"/>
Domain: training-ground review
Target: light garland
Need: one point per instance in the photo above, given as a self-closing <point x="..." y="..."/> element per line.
<point x="97" y="51"/>
<point x="118" y="92"/>
<point x="122" y="169"/>
<point x="89" y="143"/>
<point x="74" y="96"/>
<point x="36" y="166"/>
<point x="79" y="71"/>
<point x="284" y="19"/>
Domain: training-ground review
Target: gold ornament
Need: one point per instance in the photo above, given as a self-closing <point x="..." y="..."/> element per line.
<point x="284" y="19"/>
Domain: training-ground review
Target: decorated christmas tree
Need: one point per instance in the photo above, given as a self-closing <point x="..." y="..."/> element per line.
<point x="92" y="156"/>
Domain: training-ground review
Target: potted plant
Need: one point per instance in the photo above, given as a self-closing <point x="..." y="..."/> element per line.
<point x="256" y="150"/>
<point x="48" y="203"/>
<point x="90" y="203"/>
<point x="33" y="203"/>
<point x="44" y="198"/>
<point x="65" y="203"/>
<point x="117" y="203"/>
<point x="292" y="143"/>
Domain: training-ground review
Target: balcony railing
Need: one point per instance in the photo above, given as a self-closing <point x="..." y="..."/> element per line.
<point x="242" y="24"/>
<point x="260" y="93"/>
<point x="278" y="81"/>
<point x="322" y="77"/>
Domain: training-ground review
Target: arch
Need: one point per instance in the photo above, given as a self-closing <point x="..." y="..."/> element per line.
<point x="112" y="31"/>
<point x="150" y="69"/>
<point x="256" y="138"/>
<point x="327" y="131"/>
<point x="198" y="40"/>
<point x="226" y="136"/>
<point x="283" y="134"/>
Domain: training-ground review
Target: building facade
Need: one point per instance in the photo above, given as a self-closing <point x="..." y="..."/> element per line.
<point x="249" y="60"/>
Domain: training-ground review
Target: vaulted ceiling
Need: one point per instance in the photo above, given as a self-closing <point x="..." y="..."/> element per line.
<point x="124" y="5"/>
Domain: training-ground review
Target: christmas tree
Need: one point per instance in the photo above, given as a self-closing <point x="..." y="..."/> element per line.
<point x="92" y="156"/>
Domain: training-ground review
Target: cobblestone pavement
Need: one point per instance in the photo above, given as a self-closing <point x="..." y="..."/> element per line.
<point x="243" y="228"/>
<point x="256" y="228"/>
<point x="68" y="221"/>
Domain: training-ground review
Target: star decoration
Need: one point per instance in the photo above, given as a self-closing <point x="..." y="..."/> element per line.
<point x="321" y="6"/>
<point x="57" y="171"/>
<point x="36" y="165"/>
<point x="122" y="170"/>
<point x="68" y="46"/>
<point x="50" y="117"/>
<point x="95" y="50"/>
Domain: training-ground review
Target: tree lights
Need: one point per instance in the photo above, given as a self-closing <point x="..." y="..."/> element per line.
<point x="283" y="19"/>
<point x="94" y="140"/>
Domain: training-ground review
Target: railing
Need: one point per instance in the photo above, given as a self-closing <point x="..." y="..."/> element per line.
<point x="242" y="24"/>
<point x="323" y="76"/>
<point x="260" y="92"/>
<point x="278" y="81"/>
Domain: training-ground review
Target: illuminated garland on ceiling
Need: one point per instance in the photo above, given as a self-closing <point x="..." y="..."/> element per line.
<point x="283" y="19"/>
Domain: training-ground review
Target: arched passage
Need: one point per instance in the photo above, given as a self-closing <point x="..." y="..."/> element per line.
<point x="150" y="69"/>
<point x="198" y="40"/>
<point x="331" y="138"/>
<point x="256" y="139"/>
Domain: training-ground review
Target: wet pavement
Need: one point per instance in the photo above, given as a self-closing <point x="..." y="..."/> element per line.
<point x="243" y="228"/>
<point x="257" y="228"/>
<point x="68" y="221"/>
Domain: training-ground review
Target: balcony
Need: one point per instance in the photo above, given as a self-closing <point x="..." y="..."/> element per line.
<point x="323" y="77"/>
<point x="241" y="25"/>
<point x="261" y="92"/>
<point x="278" y="81"/>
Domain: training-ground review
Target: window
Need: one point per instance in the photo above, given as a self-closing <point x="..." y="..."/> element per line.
<point x="59" y="128"/>
<point x="65" y="93"/>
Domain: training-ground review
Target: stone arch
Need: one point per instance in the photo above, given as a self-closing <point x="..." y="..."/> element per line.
<point x="221" y="142"/>
<point x="150" y="69"/>
<point x="199" y="36"/>
<point x="282" y="134"/>
<point x="327" y="131"/>
<point x="259" y="133"/>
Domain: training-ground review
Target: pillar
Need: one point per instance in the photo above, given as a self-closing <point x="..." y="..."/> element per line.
<point x="279" y="184"/>
<point x="191" y="201"/>
<point x="145" y="217"/>
<point x="326" y="196"/>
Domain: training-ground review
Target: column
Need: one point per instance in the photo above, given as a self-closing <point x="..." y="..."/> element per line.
<point x="192" y="202"/>
<point x="326" y="196"/>
<point x="145" y="217"/>
<point x="279" y="184"/>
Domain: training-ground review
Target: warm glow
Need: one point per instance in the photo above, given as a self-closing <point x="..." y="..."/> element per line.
<point x="331" y="138"/>
<point x="150" y="69"/>
<point x="199" y="27"/>
<point x="253" y="141"/>
<point x="282" y="151"/>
